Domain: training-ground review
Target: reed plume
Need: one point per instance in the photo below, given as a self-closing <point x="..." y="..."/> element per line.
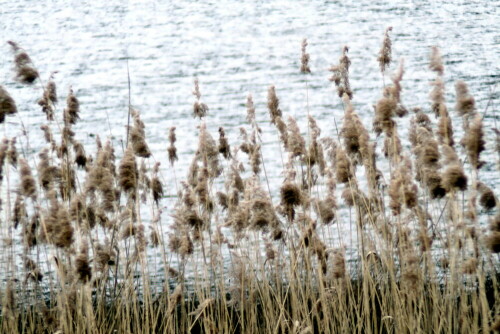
<point x="437" y="95"/>
<point x="27" y="186"/>
<point x="465" y="104"/>
<point x="128" y="173"/>
<point x="337" y="267"/>
<point x="49" y="98"/>
<point x="239" y="218"/>
<point x="257" y="211"/>
<point x="304" y="59"/>
<point x="172" y="150"/>
<point x="436" y="61"/>
<point x="25" y="71"/>
<point x="402" y="191"/>
<point x="56" y="226"/>
<point x="200" y="109"/>
<point x="325" y="209"/>
<point x="340" y="74"/>
<point x="80" y="157"/>
<point x="273" y="104"/>
<point x="49" y="138"/>
<point x="343" y="166"/>
<point x="385" y="54"/>
<point x="50" y="89"/>
<point x="427" y="148"/>
<point x="252" y="149"/>
<point x="104" y="257"/>
<point x="291" y="196"/>
<point x="250" y="109"/>
<point x="270" y="252"/>
<point x="445" y="128"/>
<point x="192" y="175"/>
<point x="493" y="241"/>
<point x="101" y="178"/>
<point x="473" y="141"/>
<point x="487" y="197"/>
<point x="224" y="147"/>
<point x="186" y="246"/>
<point x="208" y="151"/>
<point x="283" y="130"/>
<point x="349" y="131"/>
<point x="418" y="120"/>
<point x="138" y="137"/>
<point x="82" y="266"/>
<point x="202" y="190"/>
<point x="454" y="178"/>
<point x="296" y="143"/>
<point x="72" y="111"/>
<point x="384" y="111"/>
<point x="20" y="214"/>
<point x="47" y="174"/>
<point x="156" y="185"/>
<point x="315" y="152"/>
<point x="82" y="213"/>
<point x="7" y="104"/>
<point x="392" y="145"/>
<point x="12" y="153"/>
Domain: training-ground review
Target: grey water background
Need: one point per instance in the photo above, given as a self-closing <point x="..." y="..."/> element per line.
<point x="236" y="48"/>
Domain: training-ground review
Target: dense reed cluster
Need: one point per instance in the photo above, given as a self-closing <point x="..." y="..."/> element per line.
<point x="356" y="239"/>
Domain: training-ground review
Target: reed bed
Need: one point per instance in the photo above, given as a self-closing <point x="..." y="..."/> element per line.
<point x="235" y="255"/>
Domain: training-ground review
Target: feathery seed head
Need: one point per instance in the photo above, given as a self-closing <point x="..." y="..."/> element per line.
<point x="340" y="74"/>
<point x="128" y="173"/>
<point x="304" y="60"/>
<point x="454" y="178"/>
<point x="493" y="241"/>
<point x="384" y="55"/>
<point x="138" y="137"/>
<point x="436" y="61"/>
<point x="25" y="71"/>
<point x="343" y="166"/>
<point x="200" y="109"/>
<point x="83" y="270"/>
<point x="487" y="197"/>
<point x="273" y="104"/>
<point x="473" y="141"/>
<point x="325" y="209"/>
<point x="224" y="148"/>
<point x="71" y="113"/>
<point x="465" y="104"/>
<point x="250" y="109"/>
<point x="7" y="104"/>
<point x="27" y="186"/>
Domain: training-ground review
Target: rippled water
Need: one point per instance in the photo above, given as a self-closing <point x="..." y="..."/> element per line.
<point x="236" y="48"/>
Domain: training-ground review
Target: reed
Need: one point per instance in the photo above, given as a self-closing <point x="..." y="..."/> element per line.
<point x="100" y="252"/>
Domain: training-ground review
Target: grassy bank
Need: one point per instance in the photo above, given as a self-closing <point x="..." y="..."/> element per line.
<point x="236" y="255"/>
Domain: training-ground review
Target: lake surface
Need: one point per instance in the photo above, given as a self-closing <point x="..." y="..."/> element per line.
<point x="236" y="48"/>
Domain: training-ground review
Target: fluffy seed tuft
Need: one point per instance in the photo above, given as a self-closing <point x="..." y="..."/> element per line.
<point x="7" y="104"/>
<point x="384" y="55"/>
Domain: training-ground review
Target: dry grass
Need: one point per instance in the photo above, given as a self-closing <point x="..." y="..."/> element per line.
<point x="237" y="259"/>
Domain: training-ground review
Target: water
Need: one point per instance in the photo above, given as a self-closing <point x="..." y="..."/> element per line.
<point x="236" y="48"/>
